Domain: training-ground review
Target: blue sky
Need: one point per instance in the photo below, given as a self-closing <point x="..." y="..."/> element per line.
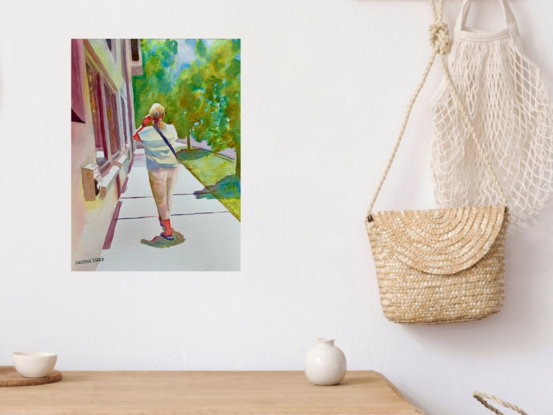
<point x="186" y="52"/>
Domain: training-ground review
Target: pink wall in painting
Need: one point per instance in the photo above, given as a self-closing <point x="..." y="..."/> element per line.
<point x="91" y="219"/>
<point x="77" y="100"/>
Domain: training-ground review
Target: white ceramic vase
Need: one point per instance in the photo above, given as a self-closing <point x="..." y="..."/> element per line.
<point x="325" y="364"/>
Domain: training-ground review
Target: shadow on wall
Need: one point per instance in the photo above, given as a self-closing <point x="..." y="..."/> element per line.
<point x="532" y="49"/>
<point x="522" y="325"/>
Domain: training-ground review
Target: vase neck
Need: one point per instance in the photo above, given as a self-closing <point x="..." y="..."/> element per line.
<point x="325" y="342"/>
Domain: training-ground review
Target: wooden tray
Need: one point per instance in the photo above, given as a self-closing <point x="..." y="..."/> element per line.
<point x="10" y="377"/>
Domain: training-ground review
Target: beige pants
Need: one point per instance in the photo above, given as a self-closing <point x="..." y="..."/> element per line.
<point x="162" y="182"/>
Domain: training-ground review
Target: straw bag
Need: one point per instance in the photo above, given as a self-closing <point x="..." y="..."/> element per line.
<point x="512" y="114"/>
<point x="442" y="265"/>
<point x="481" y="397"/>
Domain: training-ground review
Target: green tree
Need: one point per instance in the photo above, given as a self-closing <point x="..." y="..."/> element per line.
<point x="159" y="58"/>
<point x="208" y="96"/>
<point x="188" y="100"/>
<point x="203" y="100"/>
<point x="224" y="90"/>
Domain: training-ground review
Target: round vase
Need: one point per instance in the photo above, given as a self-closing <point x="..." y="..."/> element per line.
<point x="325" y="364"/>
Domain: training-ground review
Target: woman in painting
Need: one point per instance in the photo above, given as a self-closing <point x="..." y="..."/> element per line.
<point x="161" y="161"/>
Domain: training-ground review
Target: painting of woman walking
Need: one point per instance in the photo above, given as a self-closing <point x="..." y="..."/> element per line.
<point x="156" y="146"/>
<point x="163" y="170"/>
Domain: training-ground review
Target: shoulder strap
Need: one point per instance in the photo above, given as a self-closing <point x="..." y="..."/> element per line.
<point x="510" y="19"/>
<point x="166" y="141"/>
<point x="441" y="44"/>
<point x="481" y="397"/>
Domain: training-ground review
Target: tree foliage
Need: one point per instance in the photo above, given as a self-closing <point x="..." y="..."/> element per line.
<point x="203" y="99"/>
<point x="160" y="64"/>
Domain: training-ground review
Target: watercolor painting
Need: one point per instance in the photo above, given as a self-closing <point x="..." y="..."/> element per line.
<point x="155" y="154"/>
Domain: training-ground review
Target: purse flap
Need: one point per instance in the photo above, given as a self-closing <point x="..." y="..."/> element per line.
<point x="439" y="241"/>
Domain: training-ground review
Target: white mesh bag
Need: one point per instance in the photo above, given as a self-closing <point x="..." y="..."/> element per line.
<point x="508" y="103"/>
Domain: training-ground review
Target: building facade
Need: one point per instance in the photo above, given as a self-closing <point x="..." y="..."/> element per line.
<point x="102" y="148"/>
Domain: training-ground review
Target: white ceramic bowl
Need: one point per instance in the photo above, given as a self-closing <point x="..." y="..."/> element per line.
<point x="34" y="364"/>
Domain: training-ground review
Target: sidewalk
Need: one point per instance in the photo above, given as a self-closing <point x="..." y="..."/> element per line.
<point x="212" y="233"/>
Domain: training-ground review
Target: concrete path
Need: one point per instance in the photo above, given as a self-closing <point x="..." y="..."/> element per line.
<point x="212" y="233"/>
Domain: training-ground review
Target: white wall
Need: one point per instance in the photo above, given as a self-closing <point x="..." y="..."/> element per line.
<point x="325" y="83"/>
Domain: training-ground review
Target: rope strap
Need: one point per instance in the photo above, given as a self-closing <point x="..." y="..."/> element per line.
<point x="481" y="397"/>
<point x="441" y="45"/>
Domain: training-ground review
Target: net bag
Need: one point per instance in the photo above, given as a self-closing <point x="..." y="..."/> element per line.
<point x="508" y="104"/>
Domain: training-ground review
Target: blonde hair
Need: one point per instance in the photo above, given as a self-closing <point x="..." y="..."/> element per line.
<point x="157" y="112"/>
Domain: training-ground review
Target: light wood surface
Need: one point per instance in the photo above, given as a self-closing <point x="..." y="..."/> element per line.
<point x="214" y="393"/>
<point x="10" y="377"/>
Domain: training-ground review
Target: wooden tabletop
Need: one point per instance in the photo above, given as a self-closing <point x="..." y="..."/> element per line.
<point x="214" y="393"/>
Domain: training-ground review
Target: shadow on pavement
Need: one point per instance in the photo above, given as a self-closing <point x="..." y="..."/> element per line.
<point x="226" y="188"/>
<point x="160" y="242"/>
<point x="192" y="154"/>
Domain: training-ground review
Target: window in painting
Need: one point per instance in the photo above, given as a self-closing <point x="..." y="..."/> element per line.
<point x="135" y="52"/>
<point x="111" y="44"/>
<point x="126" y="133"/>
<point x="77" y="100"/>
<point x="113" y="122"/>
<point x="126" y="110"/>
<point x="96" y="109"/>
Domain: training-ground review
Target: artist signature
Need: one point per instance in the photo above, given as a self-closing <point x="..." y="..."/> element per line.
<point x="89" y="261"/>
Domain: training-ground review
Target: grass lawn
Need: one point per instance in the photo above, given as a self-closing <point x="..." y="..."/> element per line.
<point x="216" y="173"/>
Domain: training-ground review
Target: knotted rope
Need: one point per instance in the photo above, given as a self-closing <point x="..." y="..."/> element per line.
<point x="441" y="45"/>
<point x="481" y="397"/>
<point x="439" y="38"/>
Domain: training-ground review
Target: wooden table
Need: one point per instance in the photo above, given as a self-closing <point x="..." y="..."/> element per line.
<point x="214" y="393"/>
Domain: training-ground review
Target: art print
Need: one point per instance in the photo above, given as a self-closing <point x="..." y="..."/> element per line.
<point x="156" y="146"/>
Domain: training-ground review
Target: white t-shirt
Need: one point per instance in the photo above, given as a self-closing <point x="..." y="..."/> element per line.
<point x="158" y="154"/>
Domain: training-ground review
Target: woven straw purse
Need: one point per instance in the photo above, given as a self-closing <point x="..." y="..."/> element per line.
<point x="443" y="265"/>
<point x="482" y="397"/>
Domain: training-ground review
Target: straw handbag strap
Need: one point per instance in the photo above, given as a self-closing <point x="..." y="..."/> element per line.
<point x="441" y="44"/>
<point x="481" y="397"/>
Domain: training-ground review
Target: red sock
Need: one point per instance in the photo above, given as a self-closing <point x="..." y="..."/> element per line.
<point x="167" y="225"/>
